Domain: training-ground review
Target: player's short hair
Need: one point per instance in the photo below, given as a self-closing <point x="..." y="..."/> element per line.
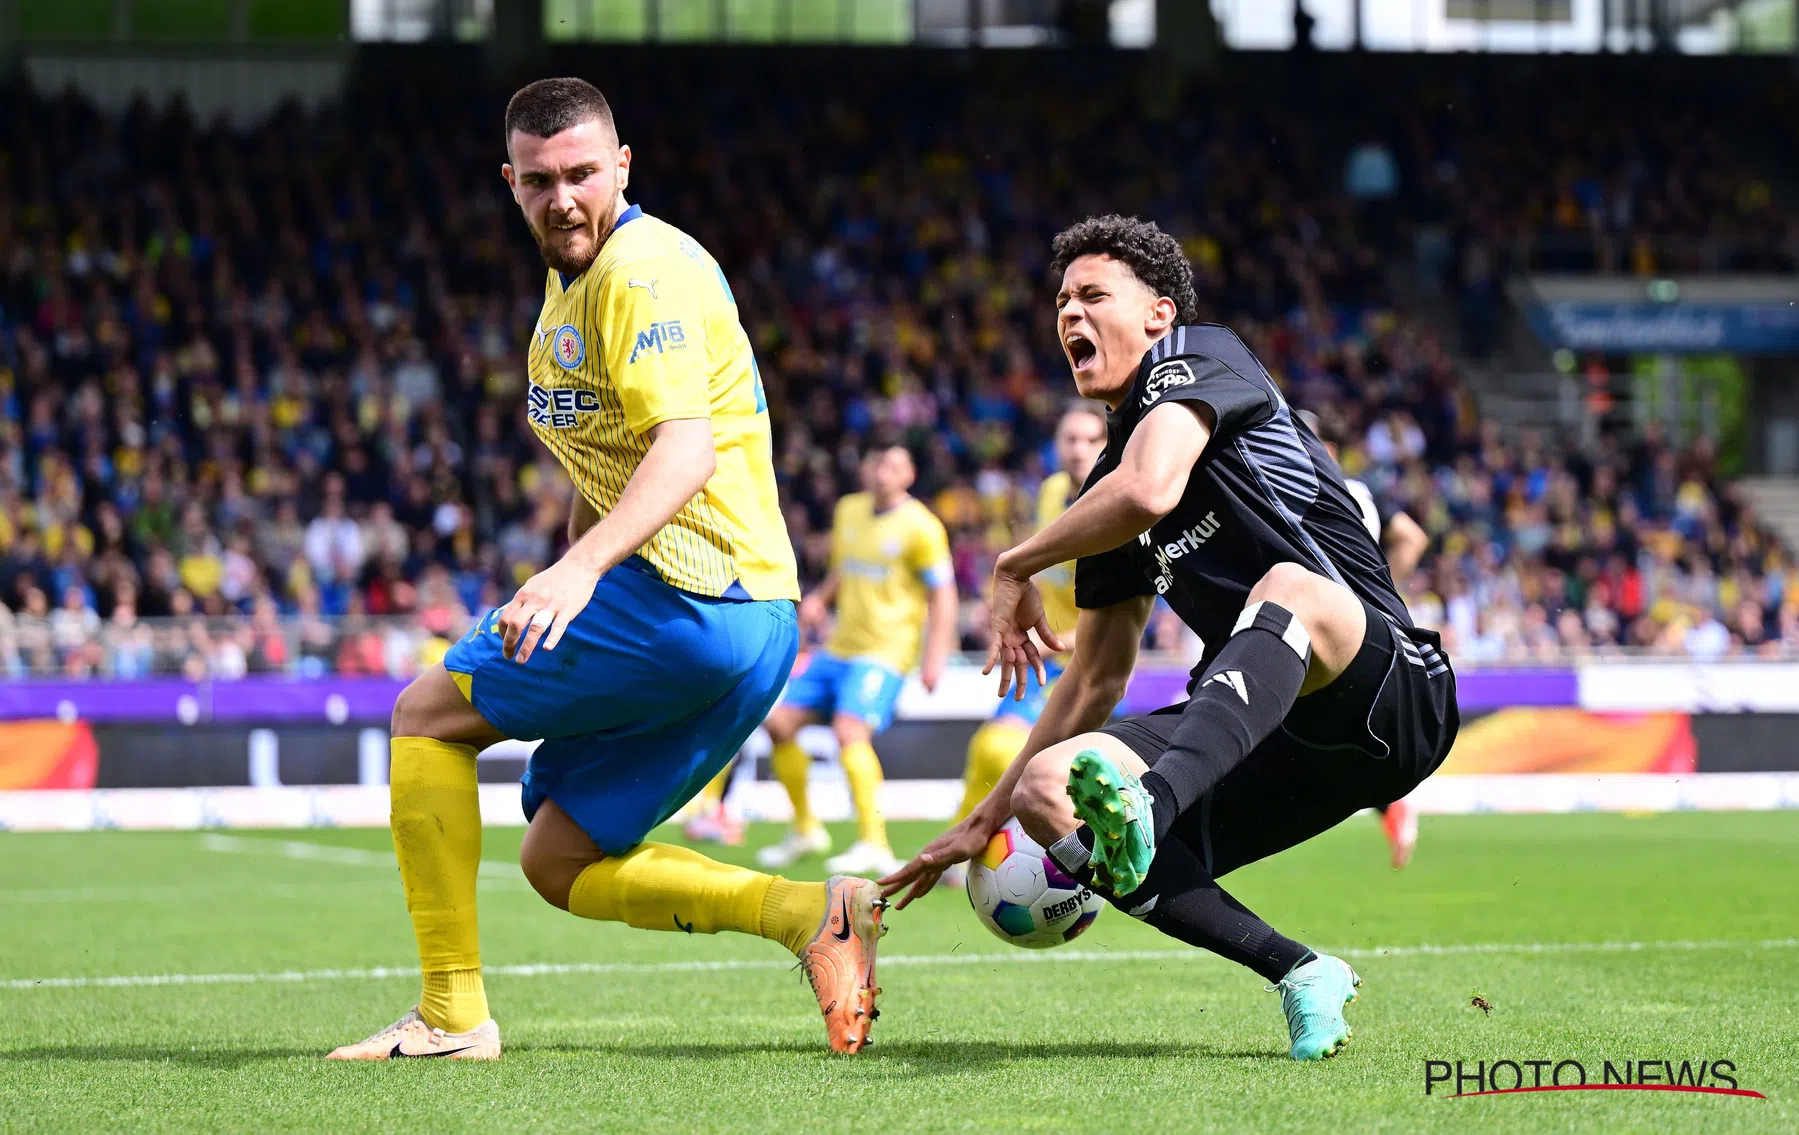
<point x="881" y="443"/>
<point x="1084" y="406"/>
<point x="1151" y="254"/>
<point x="547" y="107"/>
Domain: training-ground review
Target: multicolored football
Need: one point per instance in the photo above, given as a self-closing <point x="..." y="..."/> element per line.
<point x="1023" y="895"/>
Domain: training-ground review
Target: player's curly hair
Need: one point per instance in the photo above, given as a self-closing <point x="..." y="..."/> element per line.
<point x="1151" y="254"/>
<point x="547" y="107"/>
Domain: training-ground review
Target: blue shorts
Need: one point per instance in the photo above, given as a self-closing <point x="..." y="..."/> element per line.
<point x="854" y="687"/>
<point x="649" y="694"/>
<point x="1027" y="712"/>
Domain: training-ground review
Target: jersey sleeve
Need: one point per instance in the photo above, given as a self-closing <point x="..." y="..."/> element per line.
<point x="1108" y="578"/>
<point x="652" y="338"/>
<point x="927" y="552"/>
<point x="1237" y="402"/>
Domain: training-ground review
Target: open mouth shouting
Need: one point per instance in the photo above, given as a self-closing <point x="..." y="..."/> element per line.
<point x="1081" y="350"/>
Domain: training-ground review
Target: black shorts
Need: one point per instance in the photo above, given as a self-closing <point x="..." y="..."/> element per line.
<point x="1363" y="741"/>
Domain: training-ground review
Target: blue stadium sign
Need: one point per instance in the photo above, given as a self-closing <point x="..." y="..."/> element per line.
<point x="1679" y="328"/>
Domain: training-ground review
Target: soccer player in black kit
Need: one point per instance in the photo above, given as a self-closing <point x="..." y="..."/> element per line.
<point x="1315" y="696"/>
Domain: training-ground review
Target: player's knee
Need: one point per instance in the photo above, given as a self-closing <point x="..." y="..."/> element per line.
<point x="551" y="873"/>
<point x="781" y="725"/>
<point x="407" y="715"/>
<point x="1331" y="613"/>
<point x="851" y="731"/>
<point x="1291" y="585"/>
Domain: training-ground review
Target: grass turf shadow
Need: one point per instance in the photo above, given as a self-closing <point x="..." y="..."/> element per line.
<point x="924" y="1057"/>
<point x="937" y="1057"/>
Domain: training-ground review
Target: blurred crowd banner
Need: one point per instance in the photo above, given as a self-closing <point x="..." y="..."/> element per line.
<point x="1656" y="718"/>
<point x="964" y="694"/>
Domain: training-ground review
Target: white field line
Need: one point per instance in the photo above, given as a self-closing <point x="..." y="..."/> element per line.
<point x="971" y="959"/>
<point x="491" y="871"/>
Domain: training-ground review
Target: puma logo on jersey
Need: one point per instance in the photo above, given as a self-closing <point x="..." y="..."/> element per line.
<point x="1233" y="679"/>
<point x="647" y="285"/>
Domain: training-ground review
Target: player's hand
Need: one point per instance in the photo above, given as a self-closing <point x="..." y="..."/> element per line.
<point x="812" y="612"/>
<point x="930" y="673"/>
<point x="544" y="607"/>
<point x="1015" y="608"/>
<point x="958" y="845"/>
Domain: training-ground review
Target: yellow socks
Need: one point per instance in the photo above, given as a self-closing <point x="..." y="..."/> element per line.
<point x="714" y="793"/>
<point x="791" y="767"/>
<point x="656" y="886"/>
<point x="436" y="823"/>
<point x="863" y="771"/>
<point x="990" y="752"/>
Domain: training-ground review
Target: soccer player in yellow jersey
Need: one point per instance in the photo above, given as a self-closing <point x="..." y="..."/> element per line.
<point x="644" y="656"/>
<point x="1080" y="439"/>
<point x="890" y="576"/>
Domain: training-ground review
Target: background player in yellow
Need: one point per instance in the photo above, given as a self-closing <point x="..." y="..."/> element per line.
<point x="1080" y="439"/>
<point x="890" y="576"/>
<point x="652" y="648"/>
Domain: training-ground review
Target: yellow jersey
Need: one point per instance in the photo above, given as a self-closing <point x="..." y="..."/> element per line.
<point x="886" y="565"/>
<point x="649" y="334"/>
<point x="1056" y="584"/>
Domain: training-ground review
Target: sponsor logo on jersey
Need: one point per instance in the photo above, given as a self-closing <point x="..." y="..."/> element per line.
<point x="568" y="347"/>
<point x="1187" y="543"/>
<point x="659" y="337"/>
<point x="1165" y="377"/>
<point x="559" y="409"/>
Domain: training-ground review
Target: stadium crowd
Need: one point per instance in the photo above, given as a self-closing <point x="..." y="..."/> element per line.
<point x="269" y="383"/>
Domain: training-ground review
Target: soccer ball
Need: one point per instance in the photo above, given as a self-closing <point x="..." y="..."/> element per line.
<point x="1023" y="895"/>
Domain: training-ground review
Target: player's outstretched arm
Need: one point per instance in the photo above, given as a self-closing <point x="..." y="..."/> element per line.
<point x="678" y="465"/>
<point x="817" y="603"/>
<point x="940" y="636"/>
<point x="1105" y="651"/>
<point x="1151" y="477"/>
<point x="1405" y="543"/>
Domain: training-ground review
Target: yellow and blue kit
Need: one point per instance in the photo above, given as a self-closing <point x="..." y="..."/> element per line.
<point x="1056" y="585"/>
<point x="887" y="564"/>
<point x="685" y="646"/>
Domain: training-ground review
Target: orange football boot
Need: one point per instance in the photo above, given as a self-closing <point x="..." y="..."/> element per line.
<point x="840" y="961"/>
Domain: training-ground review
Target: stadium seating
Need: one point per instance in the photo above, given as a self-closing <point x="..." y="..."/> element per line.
<point x="269" y="384"/>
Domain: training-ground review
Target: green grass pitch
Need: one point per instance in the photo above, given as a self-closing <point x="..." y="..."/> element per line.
<point x="1689" y="923"/>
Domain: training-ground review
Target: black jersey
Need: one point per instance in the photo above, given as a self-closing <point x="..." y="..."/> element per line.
<point x="1264" y="492"/>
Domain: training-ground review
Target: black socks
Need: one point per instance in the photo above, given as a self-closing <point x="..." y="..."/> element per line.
<point x="1245" y="694"/>
<point x="1182" y="900"/>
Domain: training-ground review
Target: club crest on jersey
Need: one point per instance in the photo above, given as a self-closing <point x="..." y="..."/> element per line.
<point x="561" y="408"/>
<point x="1165" y="377"/>
<point x="568" y="347"/>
